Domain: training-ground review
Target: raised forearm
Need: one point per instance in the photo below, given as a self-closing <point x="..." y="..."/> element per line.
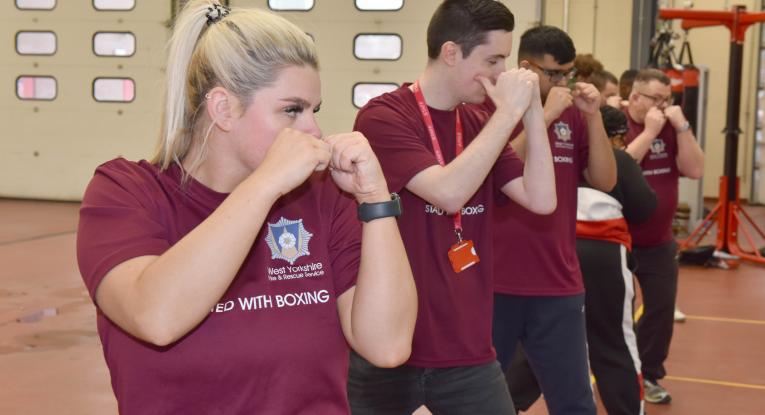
<point x="519" y="145"/>
<point x="451" y="186"/>
<point x="384" y="308"/>
<point x="160" y="299"/>
<point x="538" y="172"/>
<point x="601" y="166"/>
<point x="690" y="157"/>
<point x="640" y="145"/>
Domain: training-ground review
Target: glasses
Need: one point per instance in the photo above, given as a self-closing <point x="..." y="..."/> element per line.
<point x="556" y="75"/>
<point x="658" y="101"/>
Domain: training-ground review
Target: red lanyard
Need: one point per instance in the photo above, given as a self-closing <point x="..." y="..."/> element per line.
<point x="436" y="147"/>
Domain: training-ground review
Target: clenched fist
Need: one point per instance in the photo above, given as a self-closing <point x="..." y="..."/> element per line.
<point x="296" y="155"/>
<point x="654" y="121"/>
<point x="558" y="100"/>
<point x="513" y="91"/>
<point x="586" y="98"/>
<point x="355" y="168"/>
<point x="675" y="116"/>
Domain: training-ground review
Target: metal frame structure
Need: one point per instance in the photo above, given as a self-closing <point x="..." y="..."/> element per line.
<point x="730" y="215"/>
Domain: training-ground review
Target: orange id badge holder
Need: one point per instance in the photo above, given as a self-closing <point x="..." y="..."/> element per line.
<point x="462" y="255"/>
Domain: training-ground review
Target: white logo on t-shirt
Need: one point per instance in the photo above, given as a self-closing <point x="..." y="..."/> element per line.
<point x="563" y="131"/>
<point x="466" y="211"/>
<point x="563" y="159"/>
<point x="658" y="146"/>
<point x="288" y="239"/>
<point x="563" y="134"/>
<point x="266" y="301"/>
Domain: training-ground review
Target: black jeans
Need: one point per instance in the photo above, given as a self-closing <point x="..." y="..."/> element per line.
<point x="468" y="390"/>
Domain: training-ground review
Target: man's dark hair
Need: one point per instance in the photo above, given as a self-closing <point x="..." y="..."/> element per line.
<point x="541" y="40"/>
<point x="466" y="22"/>
<point x="601" y="78"/>
<point x="625" y="82"/>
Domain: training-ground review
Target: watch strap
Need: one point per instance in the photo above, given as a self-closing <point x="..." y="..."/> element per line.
<point x="370" y="211"/>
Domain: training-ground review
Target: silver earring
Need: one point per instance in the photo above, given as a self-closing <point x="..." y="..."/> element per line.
<point x="207" y="96"/>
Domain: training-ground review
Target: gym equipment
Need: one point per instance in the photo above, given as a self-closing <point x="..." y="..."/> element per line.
<point x="728" y="213"/>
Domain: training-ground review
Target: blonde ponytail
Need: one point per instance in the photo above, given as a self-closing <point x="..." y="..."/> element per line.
<point x="242" y="51"/>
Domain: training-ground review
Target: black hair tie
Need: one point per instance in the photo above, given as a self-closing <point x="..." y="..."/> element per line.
<point x="216" y="12"/>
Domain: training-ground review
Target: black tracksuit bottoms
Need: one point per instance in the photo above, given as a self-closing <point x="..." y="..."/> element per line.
<point x="657" y="275"/>
<point x="613" y="350"/>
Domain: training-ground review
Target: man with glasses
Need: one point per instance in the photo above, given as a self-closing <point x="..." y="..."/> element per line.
<point x="661" y="141"/>
<point x="660" y="102"/>
<point x="539" y="293"/>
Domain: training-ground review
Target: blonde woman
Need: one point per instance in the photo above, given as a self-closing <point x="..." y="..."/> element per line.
<point x="231" y="272"/>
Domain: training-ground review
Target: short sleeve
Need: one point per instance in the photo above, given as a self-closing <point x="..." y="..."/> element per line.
<point x="507" y="168"/>
<point x="117" y="221"/>
<point x="393" y="137"/>
<point x="639" y="200"/>
<point x="345" y="244"/>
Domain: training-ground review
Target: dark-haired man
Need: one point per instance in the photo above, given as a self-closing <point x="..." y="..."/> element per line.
<point x="608" y="86"/>
<point x="539" y="293"/>
<point x="661" y="140"/>
<point x="418" y="133"/>
<point x="625" y="83"/>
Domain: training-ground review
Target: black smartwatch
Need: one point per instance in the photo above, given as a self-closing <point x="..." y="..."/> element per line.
<point x="371" y="211"/>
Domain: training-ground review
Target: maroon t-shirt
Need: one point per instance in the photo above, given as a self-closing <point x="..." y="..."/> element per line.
<point x="273" y="344"/>
<point x="455" y="310"/>
<point x="536" y="254"/>
<point x="660" y="171"/>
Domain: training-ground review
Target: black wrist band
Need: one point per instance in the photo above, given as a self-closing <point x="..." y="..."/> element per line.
<point x="371" y="211"/>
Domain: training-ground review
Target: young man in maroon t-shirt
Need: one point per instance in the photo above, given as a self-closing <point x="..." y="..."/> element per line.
<point x="539" y="290"/>
<point x="661" y="140"/>
<point x="415" y="133"/>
